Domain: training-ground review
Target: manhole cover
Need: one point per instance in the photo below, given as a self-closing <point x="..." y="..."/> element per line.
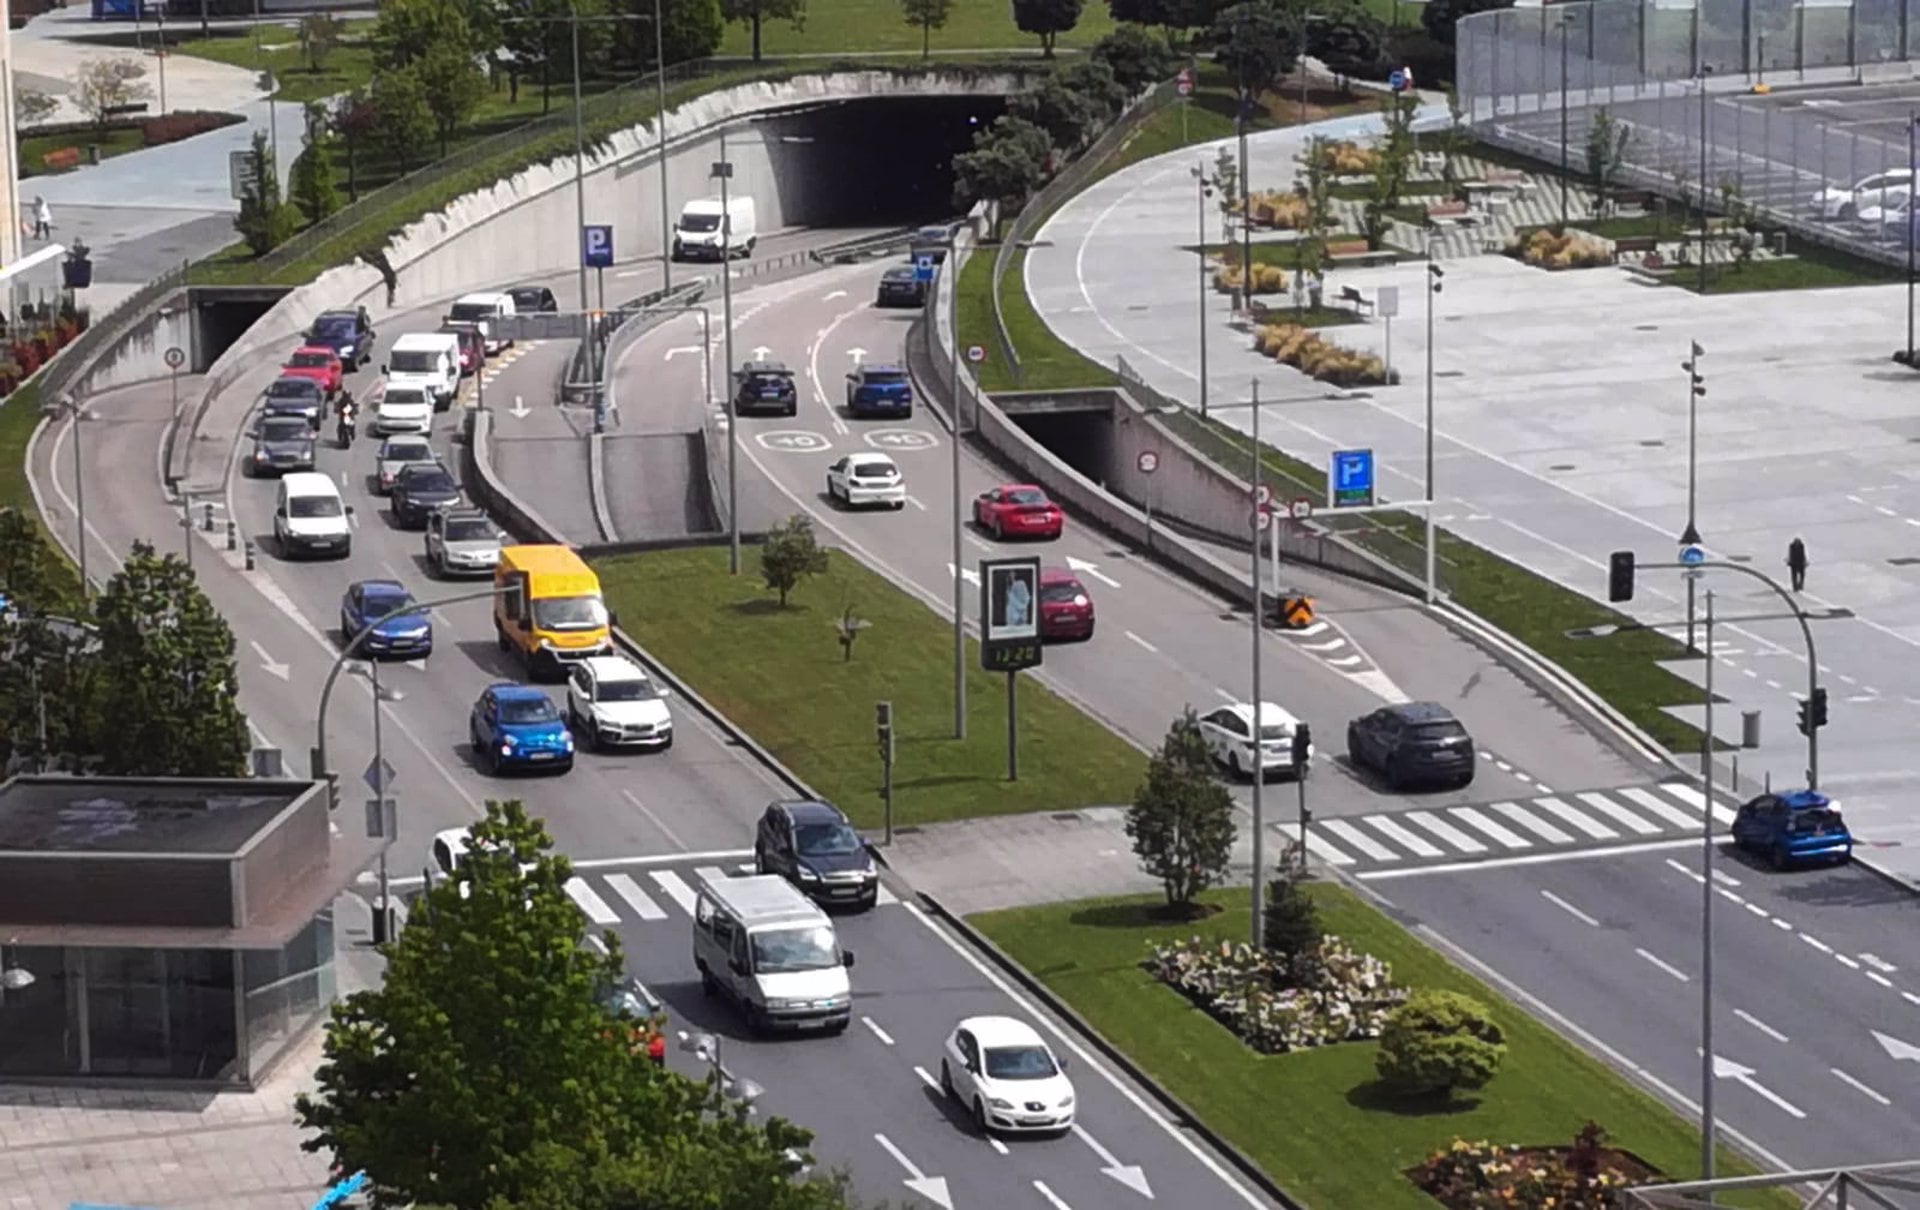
<point x="1561" y="466"/>
<point x="1653" y="444"/>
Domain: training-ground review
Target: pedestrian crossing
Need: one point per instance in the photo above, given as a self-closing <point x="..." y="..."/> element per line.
<point x="650" y="895"/>
<point x="1547" y="824"/>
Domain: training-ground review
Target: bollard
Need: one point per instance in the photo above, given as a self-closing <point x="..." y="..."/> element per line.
<point x="249" y="556"/>
<point x="233" y="535"/>
<point x="207" y="522"/>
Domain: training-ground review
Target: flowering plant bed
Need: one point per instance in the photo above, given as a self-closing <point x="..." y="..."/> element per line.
<point x="1543" y="249"/>
<point x="1588" y="1175"/>
<point x="1317" y="357"/>
<point x="1246" y="990"/>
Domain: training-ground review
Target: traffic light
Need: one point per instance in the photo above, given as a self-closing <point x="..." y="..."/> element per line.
<point x="1620" y="576"/>
<point x="1302" y="744"/>
<point x="1813" y="712"/>
<point x="1697" y="382"/>
<point x="883" y="729"/>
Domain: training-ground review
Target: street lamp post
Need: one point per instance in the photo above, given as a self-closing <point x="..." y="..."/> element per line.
<point x="1913" y="207"/>
<point x="950" y="269"/>
<point x="1434" y="276"/>
<point x="1706" y="918"/>
<point x="706" y="1048"/>
<point x="1705" y="71"/>
<point x="1203" y="189"/>
<point x="660" y="123"/>
<point x="1690" y="536"/>
<point x="1566" y="31"/>
<point x="723" y="169"/>
<point x="1258" y="892"/>
<point x="76" y="414"/>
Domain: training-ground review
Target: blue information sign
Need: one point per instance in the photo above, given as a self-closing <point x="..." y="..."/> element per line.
<point x="1350" y="479"/>
<point x="596" y="246"/>
<point x="1693" y="556"/>
<point x="923" y="268"/>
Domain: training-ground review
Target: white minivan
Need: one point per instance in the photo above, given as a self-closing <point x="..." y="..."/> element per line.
<point x="430" y="360"/>
<point x="486" y="311"/>
<point x="699" y="234"/>
<point x="772" y="951"/>
<point x="309" y="518"/>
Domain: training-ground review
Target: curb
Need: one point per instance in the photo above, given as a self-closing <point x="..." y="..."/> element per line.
<point x="1183" y="1117"/>
<point x="597" y="486"/>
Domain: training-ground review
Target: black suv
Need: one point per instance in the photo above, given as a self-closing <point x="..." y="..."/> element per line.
<point x="1414" y="743"/>
<point x="765" y="386"/>
<point x="812" y="845"/>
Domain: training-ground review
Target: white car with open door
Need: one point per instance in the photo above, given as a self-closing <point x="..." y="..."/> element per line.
<point x="858" y="479"/>
<point x="1001" y="1071"/>
<point x="1228" y="731"/>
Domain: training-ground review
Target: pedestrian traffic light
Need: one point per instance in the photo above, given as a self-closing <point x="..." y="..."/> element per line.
<point x="1302" y="745"/>
<point x="1620" y="576"/>
<point x="1697" y="382"/>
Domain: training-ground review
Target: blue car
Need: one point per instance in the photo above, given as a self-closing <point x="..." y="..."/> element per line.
<point x="879" y="391"/>
<point x="1794" y="827"/>
<point x="405" y="636"/>
<point x="519" y="727"/>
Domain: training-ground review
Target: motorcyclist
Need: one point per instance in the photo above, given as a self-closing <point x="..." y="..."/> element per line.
<point x="348" y="414"/>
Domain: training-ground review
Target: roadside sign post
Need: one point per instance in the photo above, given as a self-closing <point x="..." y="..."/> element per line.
<point x="923" y="269"/>
<point x="1386" y="304"/>
<point x="596" y="253"/>
<point x="1146" y="463"/>
<point x="976" y="353"/>
<point x="382" y="812"/>
<point x="1350" y="479"/>
<point x="1010" y="633"/>
<point x="176" y="357"/>
<point x="1183" y="83"/>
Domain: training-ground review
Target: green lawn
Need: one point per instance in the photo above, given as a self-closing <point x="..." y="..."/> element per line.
<point x="814" y="711"/>
<point x="19" y="415"/>
<point x="277" y="48"/>
<point x="1208" y="116"/>
<point x="1810" y="267"/>
<point x="116" y="141"/>
<point x="1046" y="362"/>
<point x="1315" y="1120"/>
<point x="853" y="26"/>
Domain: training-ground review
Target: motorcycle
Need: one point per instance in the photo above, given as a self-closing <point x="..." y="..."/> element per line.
<point x="346" y="431"/>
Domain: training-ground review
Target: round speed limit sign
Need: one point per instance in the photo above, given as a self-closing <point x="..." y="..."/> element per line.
<point x="976" y="353"/>
<point x="1148" y="462"/>
<point x="176" y="357"/>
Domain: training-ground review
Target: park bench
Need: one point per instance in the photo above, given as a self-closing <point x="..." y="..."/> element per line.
<point x="1634" y="245"/>
<point x="1356" y="252"/>
<point x="1449" y="212"/>
<point x="1633" y="199"/>
<point x="61" y="159"/>
<point x="1509" y="178"/>
<point x="1351" y="296"/>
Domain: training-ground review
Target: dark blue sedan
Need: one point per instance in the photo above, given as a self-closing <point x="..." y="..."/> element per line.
<point x="1793" y="827"/>
<point x="879" y="391"/>
<point x="380" y="604"/>
<point x="519" y="727"/>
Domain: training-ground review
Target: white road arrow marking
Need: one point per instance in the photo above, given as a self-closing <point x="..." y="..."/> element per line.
<point x="972" y="577"/>
<point x="1726" y="1069"/>
<point x="1129" y="1175"/>
<point x="933" y="1188"/>
<point x="1082" y="567"/>
<point x="1053" y="1199"/>
<point x="271" y="668"/>
<point x="858" y="355"/>
<point x="835" y="294"/>
<point x="760" y="352"/>
<point x="519" y="408"/>
<point x="1897" y="1050"/>
<point x="677" y="350"/>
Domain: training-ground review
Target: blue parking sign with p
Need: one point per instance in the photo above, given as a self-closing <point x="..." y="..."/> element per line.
<point x="596" y="246"/>
<point x="1350" y="479"/>
<point x="923" y="268"/>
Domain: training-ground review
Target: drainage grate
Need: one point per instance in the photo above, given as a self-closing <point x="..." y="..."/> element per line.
<point x="1654" y="444"/>
<point x="1561" y="466"/>
<point x="1449" y="373"/>
<point x="1646" y="327"/>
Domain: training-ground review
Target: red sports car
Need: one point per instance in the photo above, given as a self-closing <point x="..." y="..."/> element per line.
<point x="1018" y="510"/>
<point x="321" y="365"/>
<point x="1066" y="608"/>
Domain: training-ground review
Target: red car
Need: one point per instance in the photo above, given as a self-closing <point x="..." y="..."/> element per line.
<point x="316" y="363"/>
<point x="472" y="346"/>
<point x="1018" y="510"/>
<point x="1066" y="608"/>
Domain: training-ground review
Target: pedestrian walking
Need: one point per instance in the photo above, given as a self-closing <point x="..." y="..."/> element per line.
<point x="42" y="219"/>
<point x="1797" y="564"/>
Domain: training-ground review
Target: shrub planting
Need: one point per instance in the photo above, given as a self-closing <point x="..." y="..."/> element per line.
<point x="1544" y="249"/>
<point x="1346" y="997"/>
<point x="1307" y="351"/>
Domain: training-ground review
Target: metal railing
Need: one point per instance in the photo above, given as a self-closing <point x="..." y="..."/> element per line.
<point x="852" y="250"/>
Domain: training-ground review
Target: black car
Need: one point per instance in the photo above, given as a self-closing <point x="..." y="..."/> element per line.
<point x="281" y="443"/>
<point x="812" y="845"/>
<point x="348" y="332"/>
<point x="901" y="286"/>
<point x="532" y="298"/>
<point x="765" y="386"/>
<point x="1414" y="743"/>
<point x="419" y="490"/>
<point x="301" y="397"/>
<point x="930" y="241"/>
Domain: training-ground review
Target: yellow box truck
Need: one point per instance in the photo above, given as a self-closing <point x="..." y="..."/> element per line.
<point x="553" y="615"/>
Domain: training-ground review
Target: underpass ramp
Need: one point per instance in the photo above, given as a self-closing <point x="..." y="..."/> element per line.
<point x="657" y="486"/>
<point x="551" y="475"/>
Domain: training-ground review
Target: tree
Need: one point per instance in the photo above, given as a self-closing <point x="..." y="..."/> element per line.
<point x="1607" y="143"/>
<point x="1316" y="185"/>
<point x="1292" y="933"/>
<point x="313" y="186"/>
<point x="789" y="554"/>
<point x="404" y="126"/>
<point x="1394" y="165"/>
<point x="489" y="1069"/>
<point x="49" y="693"/>
<point x="103" y="86"/>
<point x="32" y="577"/>
<point x="1136" y="58"/>
<point x="1067" y="115"/>
<point x="1047" y="18"/>
<point x="691" y="29"/>
<point x="1439" y="1041"/>
<point x="407" y="29"/>
<point x="1346" y="37"/>
<point x="1170" y="15"/>
<point x="755" y="13"/>
<point x="319" y="37"/>
<point x="265" y="220"/>
<point x="1181" y="821"/>
<point x="1095" y="82"/>
<point x="1007" y="163"/>
<point x="356" y="121"/>
<point x="167" y="657"/>
<point x="1257" y="45"/>
<point x="1438" y="17"/>
<point x="927" y="15"/>
<point x="32" y="107"/>
<point x="453" y="87"/>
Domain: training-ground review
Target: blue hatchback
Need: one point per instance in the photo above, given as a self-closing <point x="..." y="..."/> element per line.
<point x="408" y="636"/>
<point x="1797" y="826"/>
<point x="519" y="727"/>
<point x="879" y="391"/>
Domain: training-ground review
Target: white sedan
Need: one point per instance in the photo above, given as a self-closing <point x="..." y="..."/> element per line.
<point x="611" y="702"/>
<point x="1872" y="191"/>
<point x="403" y="410"/>
<point x="1229" y="735"/>
<point x="867" y="479"/>
<point x="1006" y="1077"/>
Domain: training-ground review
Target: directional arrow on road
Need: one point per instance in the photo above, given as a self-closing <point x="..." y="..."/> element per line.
<point x="1726" y="1069"/>
<point x="1129" y="1175"/>
<point x="833" y="295"/>
<point x="1897" y="1050"/>
<point x="679" y="350"/>
<point x="266" y="663"/>
<point x="933" y="1188"/>
<point x="760" y="352"/>
<point x="519" y="408"/>
<point x="1082" y="567"/>
<point x="858" y="355"/>
<point x="972" y="577"/>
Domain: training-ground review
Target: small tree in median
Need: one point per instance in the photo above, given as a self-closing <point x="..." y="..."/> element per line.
<point x="927" y="16"/>
<point x="265" y="220"/>
<point x="313" y="181"/>
<point x="1181" y="821"/>
<point x="1316" y="185"/>
<point x="1607" y="143"/>
<point x="1292" y="922"/>
<point x="790" y="554"/>
<point x="1437" y="1042"/>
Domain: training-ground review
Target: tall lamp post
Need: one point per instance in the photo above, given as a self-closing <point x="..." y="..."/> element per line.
<point x="64" y="408"/>
<point x="1203" y="189"/>
<point x="723" y="172"/>
<point x="741" y="1090"/>
<point x="1913" y="208"/>
<point x="951" y="269"/>
<point x="1690" y="536"/>
<point x="1566" y="31"/>
<point x="1707" y="1124"/>
<point x="1258" y="892"/>
<point x="1435" y="274"/>
<point x="1705" y="71"/>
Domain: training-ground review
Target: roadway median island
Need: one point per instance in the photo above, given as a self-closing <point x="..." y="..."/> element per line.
<point x="779" y="674"/>
<point x="1318" y="1121"/>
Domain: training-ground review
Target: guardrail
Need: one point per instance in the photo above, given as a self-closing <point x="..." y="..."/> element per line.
<point x="853" y="250"/>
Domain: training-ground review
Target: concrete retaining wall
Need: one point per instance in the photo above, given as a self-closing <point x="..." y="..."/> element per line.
<point x="141" y="355"/>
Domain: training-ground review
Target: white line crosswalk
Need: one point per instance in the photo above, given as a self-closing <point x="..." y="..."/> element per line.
<point x="613" y="897"/>
<point x="1487" y="831"/>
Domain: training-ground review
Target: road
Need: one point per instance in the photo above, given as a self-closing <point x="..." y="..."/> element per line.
<point x="694" y="803"/>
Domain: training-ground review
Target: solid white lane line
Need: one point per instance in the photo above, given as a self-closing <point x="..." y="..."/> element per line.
<point x="1532" y="823"/>
<point x="1496" y="863"/>
<point x="1142" y="642"/>
<point x="1760" y="1025"/>
<point x="637" y="899"/>
<point x="1506" y="836"/>
<point x="1668" y="967"/>
<point x="1446" y="831"/>
<point x="1844" y="1078"/>
<point x="1722" y="814"/>
<point x="675" y="887"/>
<point x="1568" y="908"/>
<point x="1386" y="826"/>
<point x="602" y="863"/>
<point x="877" y="1032"/>
<point x="1326" y="852"/>
<point x="1053" y="1199"/>
<point x="1619" y="814"/>
<point x="1566" y="814"/>
<point x="596" y="908"/>
<point x="1359" y="840"/>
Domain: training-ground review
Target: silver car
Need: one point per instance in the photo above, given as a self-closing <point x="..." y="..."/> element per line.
<point x="398" y="452"/>
<point x="462" y="542"/>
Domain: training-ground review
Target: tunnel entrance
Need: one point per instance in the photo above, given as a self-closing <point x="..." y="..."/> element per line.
<point x="222" y="315"/>
<point x="878" y="162"/>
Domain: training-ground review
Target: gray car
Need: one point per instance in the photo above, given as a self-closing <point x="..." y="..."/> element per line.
<point x="281" y="444"/>
<point x="396" y="453"/>
<point x="462" y="542"/>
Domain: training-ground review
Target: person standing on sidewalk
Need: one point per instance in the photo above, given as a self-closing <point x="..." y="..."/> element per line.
<point x="1797" y="563"/>
<point x="42" y="219"/>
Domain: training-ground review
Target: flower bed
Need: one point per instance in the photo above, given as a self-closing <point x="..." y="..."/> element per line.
<point x="1305" y="350"/>
<point x="1245" y="990"/>
<point x="1282" y="210"/>
<point x="1267" y="279"/>
<point x="1347" y="158"/>
<point x="1585" y="1176"/>
<point x="1542" y="249"/>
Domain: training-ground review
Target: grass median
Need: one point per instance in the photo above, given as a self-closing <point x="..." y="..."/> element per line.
<point x="879" y="25"/>
<point x="780" y="674"/>
<point x="19" y="416"/>
<point x="1314" y="1120"/>
<point x="346" y="66"/>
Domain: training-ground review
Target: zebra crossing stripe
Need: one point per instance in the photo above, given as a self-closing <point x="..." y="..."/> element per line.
<point x="1532" y="823"/>
<point x="1665" y="810"/>
<point x="1393" y="831"/>
<point x="1567" y="814"/>
<point x="675" y="887"/>
<point x="1358" y="839"/>
<point x="1507" y="837"/>
<point x="1619" y="814"/>
<point x="1722" y="814"/>
<point x="636" y="898"/>
<point x="712" y="873"/>
<point x="596" y="908"/>
<point x="1447" y="832"/>
<point x="1326" y="852"/>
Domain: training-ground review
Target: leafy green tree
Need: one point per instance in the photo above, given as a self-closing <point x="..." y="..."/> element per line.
<point x="1438" y="17"/>
<point x="690" y="29"/>
<point x="1346" y="37"/>
<point x="1391" y="171"/>
<point x="1607" y="141"/>
<point x="1316" y="185"/>
<point x="32" y="576"/>
<point x="1047" y="18"/>
<point x="49" y="692"/>
<point x="404" y="125"/>
<point x="313" y="183"/>
<point x="454" y="88"/>
<point x="1292" y="925"/>
<point x="166" y="658"/>
<point x="319" y="38"/>
<point x="357" y="122"/>
<point x="1007" y="163"/>
<point x="755" y="13"/>
<point x="927" y="16"/>
<point x="789" y="554"/>
<point x="1256" y="43"/>
<point x="1068" y="115"/>
<point x="539" y="34"/>
<point x="1095" y="81"/>
<point x="1181" y="820"/>
<point x="265" y="220"/>
<point x="1170" y="15"/>
<point x="407" y="29"/>
<point x="1437" y="1042"/>
<point x="1136" y="58"/>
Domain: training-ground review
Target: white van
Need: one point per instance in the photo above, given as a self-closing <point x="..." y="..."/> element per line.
<point x="309" y="518"/>
<point x="430" y="360"/>
<point x="484" y="310"/>
<point x="773" y="952"/>
<point x="698" y="234"/>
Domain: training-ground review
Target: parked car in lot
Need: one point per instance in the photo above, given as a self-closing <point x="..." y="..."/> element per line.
<point x="1002" y="1073"/>
<point x="403" y="409"/>
<point x="1412" y="744"/>
<point x="765" y="387"/>
<point x="1066" y="607"/>
<point x="857" y="479"/>
<point x="378" y="603"/>
<point x="397" y="453"/>
<point x="348" y="332"/>
<point x="812" y="845"/>
<point x="318" y="363"/>
<point x="1793" y="827"/>
<point x="420" y="490"/>
<point x="518" y="727"/>
<point x="613" y="703"/>
<point x="300" y="397"/>
<point x="879" y="390"/>
<point x="1228" y="731"/>
<point x="462" y="542"/>
<point x="1018" y="510"/>
<point x="1871" y="190"/>
<point x="281" y="444"/>
<point x="901" y="286"/>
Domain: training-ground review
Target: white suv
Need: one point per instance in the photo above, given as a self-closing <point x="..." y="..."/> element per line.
<point x="612" y="702"/>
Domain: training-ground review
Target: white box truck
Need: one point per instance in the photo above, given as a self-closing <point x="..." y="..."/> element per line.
<point x="429" y="360"/>
<point x="699" y="235"/>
